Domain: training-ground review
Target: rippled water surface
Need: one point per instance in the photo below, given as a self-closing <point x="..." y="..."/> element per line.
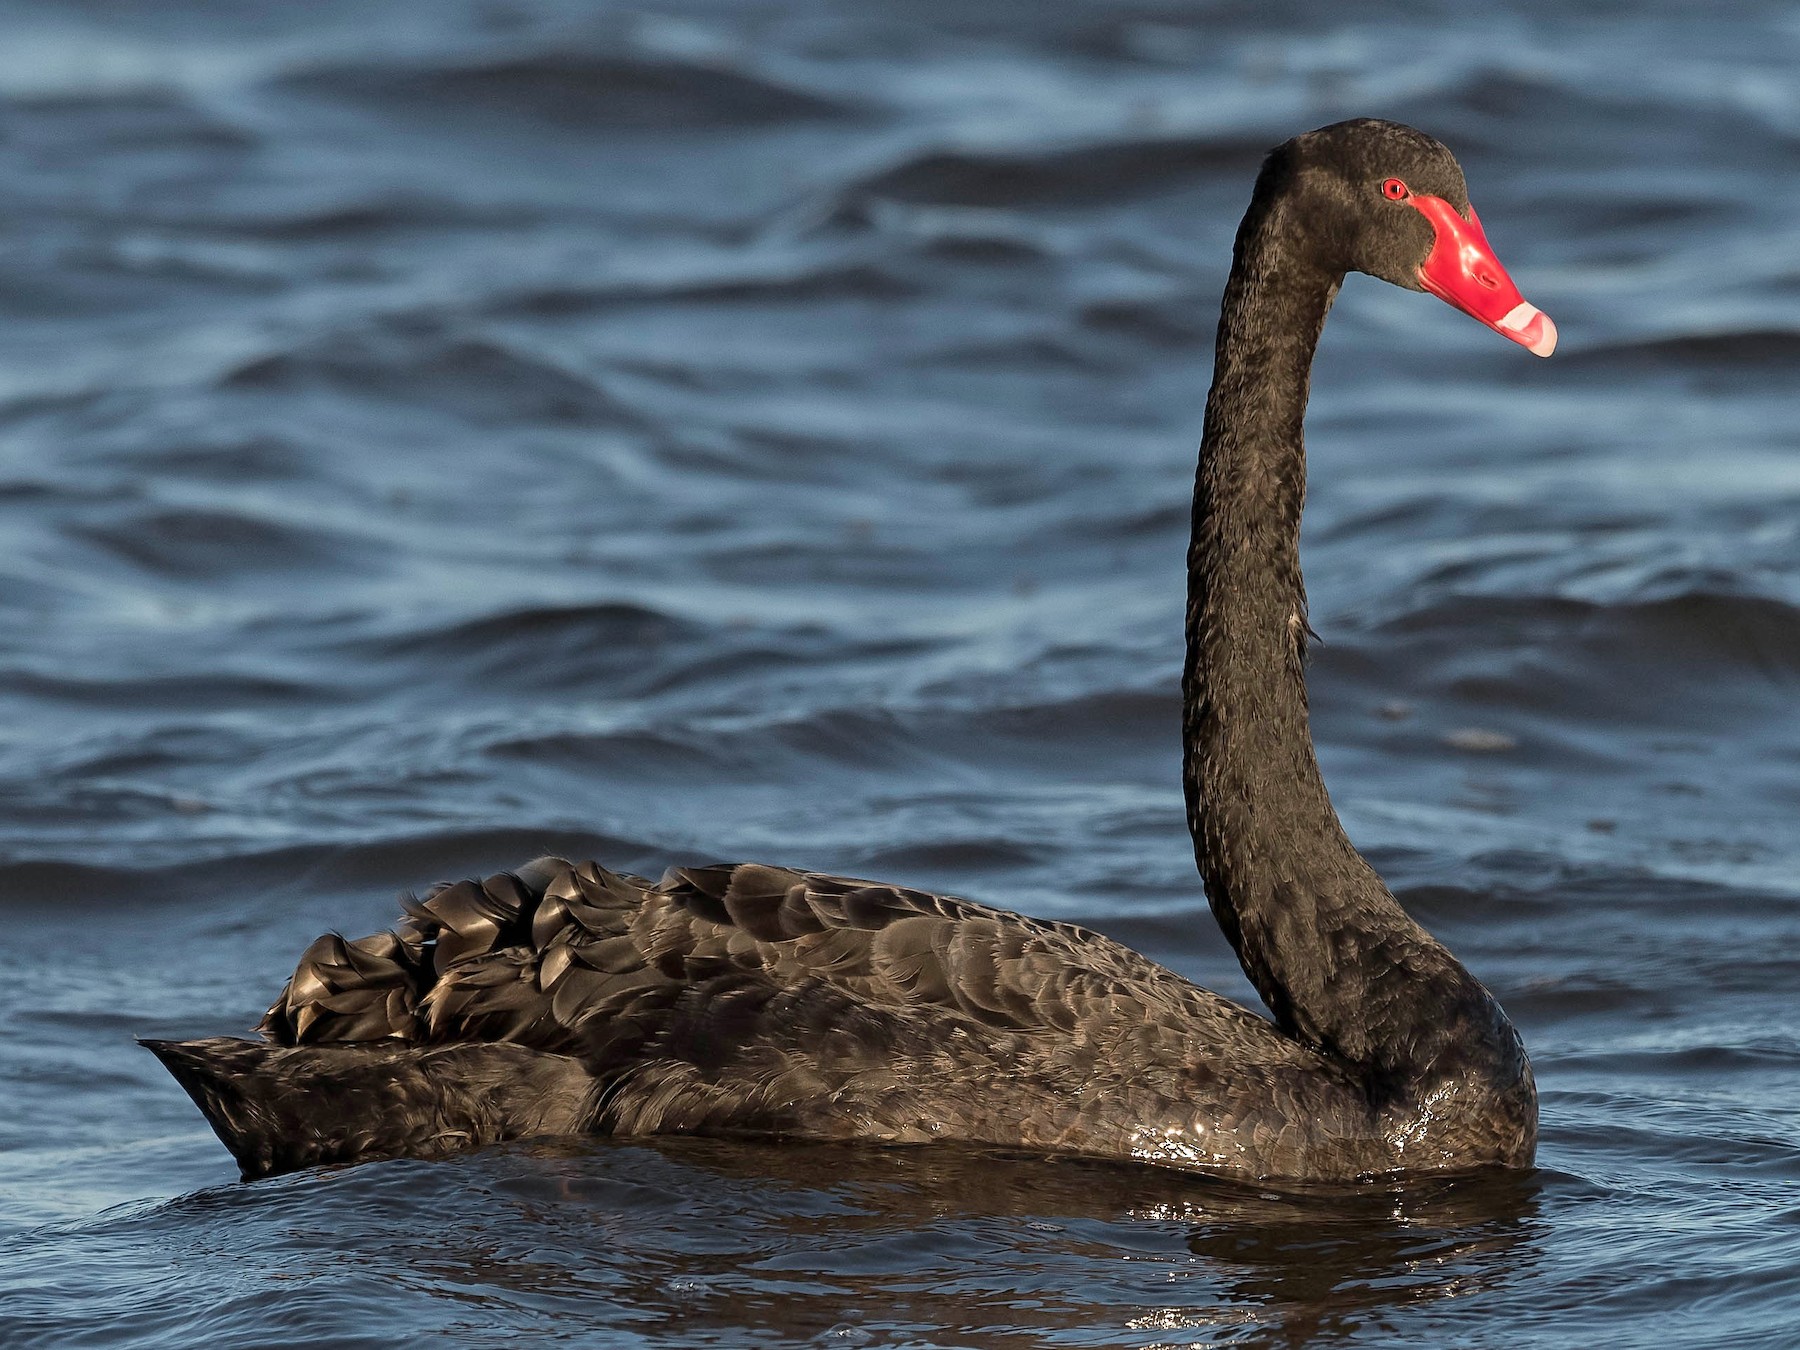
<point x="432" y="435"/>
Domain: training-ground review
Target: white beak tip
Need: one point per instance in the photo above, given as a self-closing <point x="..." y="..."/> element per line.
<point x="1530" y="327"/>
<point x="1545" y="342"/>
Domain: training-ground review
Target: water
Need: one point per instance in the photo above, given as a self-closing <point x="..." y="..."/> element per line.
<point x="435" y="435"/>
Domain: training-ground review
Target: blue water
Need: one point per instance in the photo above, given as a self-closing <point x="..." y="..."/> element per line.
<point x="435" y="435"/>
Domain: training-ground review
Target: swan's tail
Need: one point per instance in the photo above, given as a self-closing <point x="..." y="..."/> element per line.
<point x="281" y="1108"/>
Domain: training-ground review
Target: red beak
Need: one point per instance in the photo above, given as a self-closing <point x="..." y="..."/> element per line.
<point x="1463" y="270"/>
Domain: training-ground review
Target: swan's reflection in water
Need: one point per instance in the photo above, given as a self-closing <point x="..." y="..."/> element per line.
<point x="1330" y="1261"/>
<point x="683" y="1242"/>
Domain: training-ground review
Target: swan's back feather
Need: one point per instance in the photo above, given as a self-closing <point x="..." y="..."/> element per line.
<point x="749" y="998"/>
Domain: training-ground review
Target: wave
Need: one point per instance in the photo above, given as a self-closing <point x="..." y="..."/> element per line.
<point x="258" y="457"/>
<point x="865" y="745"/>
<point x="359" y="217"/>
<point x="1692" y="658"/>
<point x="1756" y="349"/>
<point x="586" y="91"/>
<point x="1096" y="172"/>
<point x="188" y="542"/>
<point x="1692" y="629"/>
<point x="1036" y="351"/>
<point x="828" y="281"/>
<point x="138" y="119"/>
<point x="800" y="750"/>
<point x="991" y="246"/>
<point x="241" y="881"/>
<point x="52" y="884"/>
<point x="540" y="647"/>
<point x="1550" y="118"/>
<point x="956" y="856"/>
<point x="213" y="689"/>
<point x="1178" y="322"/>
<point x="477" y="378"/>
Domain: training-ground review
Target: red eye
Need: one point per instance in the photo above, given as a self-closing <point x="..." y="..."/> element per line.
<point x="1394" y="190"/>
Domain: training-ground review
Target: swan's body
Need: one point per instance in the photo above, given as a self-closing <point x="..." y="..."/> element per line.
<point x="756" y="1000"/>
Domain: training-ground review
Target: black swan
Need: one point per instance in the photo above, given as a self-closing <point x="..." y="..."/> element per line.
<point x="752" y="1000"/>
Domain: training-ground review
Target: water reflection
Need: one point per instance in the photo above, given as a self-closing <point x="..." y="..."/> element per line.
<point x="798" y="1241"/>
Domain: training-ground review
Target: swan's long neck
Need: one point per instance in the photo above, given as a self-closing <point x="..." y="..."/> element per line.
<point x="1332" y="953"/>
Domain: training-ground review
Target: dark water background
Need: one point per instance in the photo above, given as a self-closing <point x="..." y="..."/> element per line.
<point x="431" y="435"/>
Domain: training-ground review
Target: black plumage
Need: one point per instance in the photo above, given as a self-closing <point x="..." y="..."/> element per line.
<point x="757" y="1000"/>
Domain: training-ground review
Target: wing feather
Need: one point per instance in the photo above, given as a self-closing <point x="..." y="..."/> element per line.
<point x="579" y="936"/>
<point x="750" y="996"/>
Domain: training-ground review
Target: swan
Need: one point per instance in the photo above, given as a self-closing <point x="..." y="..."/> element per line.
<point x="765" y="1002"/>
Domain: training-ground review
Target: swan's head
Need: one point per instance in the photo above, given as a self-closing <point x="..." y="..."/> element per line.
<point x="1382" y="198"/>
